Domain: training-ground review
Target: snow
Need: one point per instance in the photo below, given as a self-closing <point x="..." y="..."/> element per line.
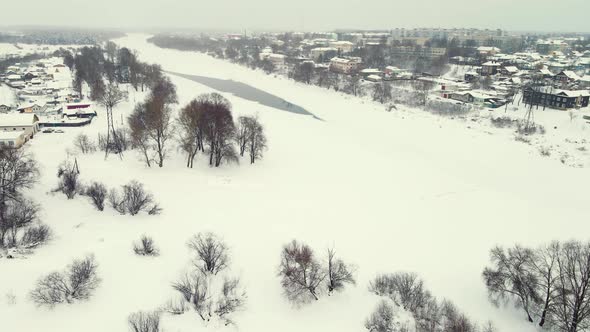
<point x="392" y="191"/>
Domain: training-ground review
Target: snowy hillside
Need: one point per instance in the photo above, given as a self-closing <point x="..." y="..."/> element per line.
<point x="399" y="191"/>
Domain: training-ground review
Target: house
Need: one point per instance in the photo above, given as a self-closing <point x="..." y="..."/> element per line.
<point x="32" y="108"/>
<point x="345" y="65"/>
<point x="342" y="46"/>
<point x="14" y="122"/>
<point x="79" y="110"/>
<point x="471" y="76"/>
<point x="509" y="70"/>
<point x="12" y="139"/>
<point x="490" y="68"/>
<point x="566" y="76"/>
<point x="370" y="71"/>
<point x="321" y="54"/>
<point x="373" y="78"/>
<point x="558" y="99"/>
<point x="487" y="50"/>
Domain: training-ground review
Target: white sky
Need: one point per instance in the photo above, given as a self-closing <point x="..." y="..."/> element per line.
<point x="521" y="15"/>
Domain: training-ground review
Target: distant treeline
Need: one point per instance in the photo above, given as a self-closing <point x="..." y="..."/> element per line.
<point x="59" y="37"/>
<point x="185" y="43"/>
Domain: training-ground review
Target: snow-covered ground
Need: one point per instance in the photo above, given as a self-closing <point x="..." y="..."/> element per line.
<point x="399" y="191"/>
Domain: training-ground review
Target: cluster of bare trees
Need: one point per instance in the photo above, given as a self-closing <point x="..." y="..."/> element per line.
<point x="206" y="125"/>
<point x="19" y="224"/>
<point x="407" y="290"/>
<point x="208" y="289"/>
<point x="76" y="283"/>
<point x="304" y="278"/>
<point x="550" y="283"/>
<point x="150" y="123"/>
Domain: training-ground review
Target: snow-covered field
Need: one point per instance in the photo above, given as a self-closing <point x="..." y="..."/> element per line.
<point x="399" y="191"/>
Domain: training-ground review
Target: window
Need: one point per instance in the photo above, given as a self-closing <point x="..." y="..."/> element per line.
<point x="11" y="143"/>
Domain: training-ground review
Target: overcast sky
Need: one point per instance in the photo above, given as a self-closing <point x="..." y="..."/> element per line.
<point x="521" y="15"/>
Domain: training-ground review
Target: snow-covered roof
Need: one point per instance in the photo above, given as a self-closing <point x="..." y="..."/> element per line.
<point x="575" y="93"/>
<point x="570" y="74"/>
<point x="511" y="69"/>
<point x="491" y="63"/>
<point x="17" y="119"/>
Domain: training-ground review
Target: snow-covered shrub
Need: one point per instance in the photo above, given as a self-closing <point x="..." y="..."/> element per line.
<point x="545" y="151"/>
<point x="211" y="253"/>
<point x="84" y="144"/>
<point x="69" y="183"/>
<point x="97" y="193"/>
<point x="145" y="247"/>
<point x="35" y="235"/>
<point x="116" y="201"/>
<point x="136" y="198"/>
<point x="133" y="199"/>
<point x="301" y="273"/>
<point x="145" y="321"/>
<point x="524" y="128"/>
<point x="194" y="289"/>
<point x="78" y="282"/>
<point x="503" y="122"/>
<point x="382" y="319"/>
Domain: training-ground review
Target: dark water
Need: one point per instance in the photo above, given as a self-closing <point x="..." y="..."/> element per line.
<point x="247" y="92"/>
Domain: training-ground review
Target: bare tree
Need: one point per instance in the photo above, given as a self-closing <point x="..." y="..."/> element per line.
<point x="112" y="97"/>
<point x="301" y="274"/>
<point x="138" y="126"/>
<point x="511" y="277"/>
<point x="191" y="126"/>
<point x="84" y="144"/>
<point x="218" y="130"/>
<point x="150" y="123"/>
<point x="144" y="321"/>
<point x="544" y="265"/>
<point x="18" y="171"/>
<point x="211" y="253"/>
<point x="256" y="140"/>
<point x="195" y="290"/>
<point x="382" y="319"/>
<point x="19" y="216"/>
<point x="572" y="307"/>
<point x="242" y="133"/>
<point x="339" y="273"/>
